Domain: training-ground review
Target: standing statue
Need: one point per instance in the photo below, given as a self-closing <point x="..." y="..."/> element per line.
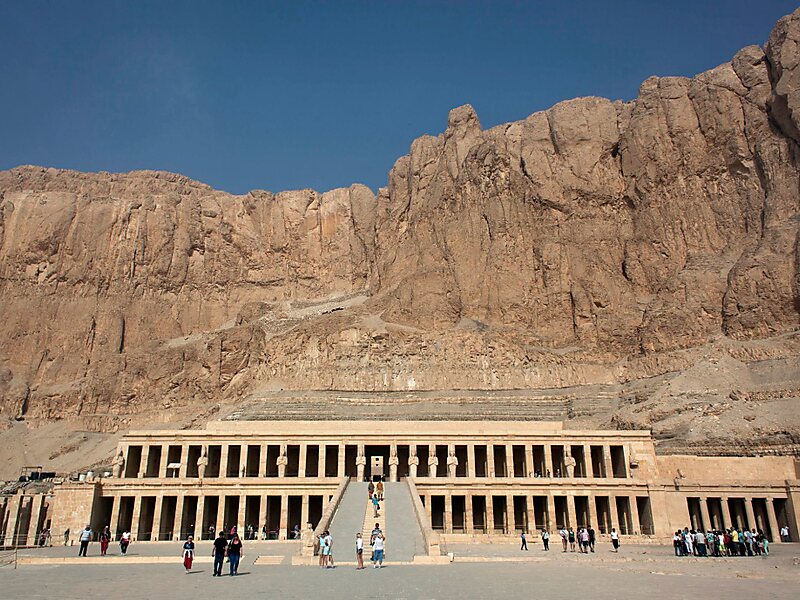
<point x="433" y="462"/>
<point x="282" y="461"/>
<point x="570" y="463"/>
<point x="413" y="462"/>
<point x="202" y="463"/>
<point x="452" y="463"/>
<point x="393" y="462"/>
<point x="119" y="464"/>
<point x="361" y="463"/>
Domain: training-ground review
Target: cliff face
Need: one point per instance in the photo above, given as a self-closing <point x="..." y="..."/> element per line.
<point x="596" y="242"/>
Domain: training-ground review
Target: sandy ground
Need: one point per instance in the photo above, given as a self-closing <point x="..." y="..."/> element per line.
<point x="637" y="572"/>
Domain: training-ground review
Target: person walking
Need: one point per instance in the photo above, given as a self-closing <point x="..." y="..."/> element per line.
<point x="375" y="505"/>
<point x="546" y="540"/>
<point x="359" y="552"/>
<point x="615" y="539"/>
<point x="105" y="539"/>
<point x="85" y="538"/>
<point x="370" y="489"/>
<point x="323" y="554"/>
<point x="188" y="554"/>
<point x="564" y="537"/>
<point x="379" y="548"/>
<point x="592" y="538"/>
<point x="66" y="537"/>
<point x="235" y="553"/>
<point x="571" y="534"/>
<point x="124" y="542"/>
<point x="218" y="550"/>
<point x="379" y="490"/>
<point x="784" y="533"/>
<point x="524" y="545"/>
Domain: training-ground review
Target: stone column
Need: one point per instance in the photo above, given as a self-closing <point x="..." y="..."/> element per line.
<point x="262" y="461"/>
<point x="304" y="513"/>
<point x="114" y="517"/>
<point x="143" y="461"/>
<point x="726" y="514"/>
<point x="607" y="461"/>
<point x="156" y="529"/>
<point x="469" y="522"/>
<point x="162" y="468"/>
<point x="301" y="467"/>
<point x="12" y="515"/>
<point x="592" y="511"/>
<point x="636" y="525"/>
<point x="751" y="515"/>
<point x="774" y="529"/>
<point x="471" y="460"/>
<point x="393" y="461"/>
<point x="489" y="512"/>
<point x="587" y="460"/>
<point x="340" y="463"/>
<point x="448" y="513"/>
<point x="509" y="460"/>
<point x="550" y="517"/>
<point x="241" y="526"/>
<point x="243" y="460"/>
<point x="219" y="519"/>
<point x="548" y="460"/>
<point x="361" y="465"/>
<point x="36" y="512"/>
<point x="137" y="509"/>
<point x="529" y="468"/>
<point x="223" y="461"/>
<point x="178" y="524"/>
<point x="184" y="461"/>
<point x="612" y="514"/>
<point x="530" y="508"/>
<point x="284" y="522"/>
<point x="199" y="530"/>
<point x="705" y="514"/>
<point x="511" y="518"/>
<point x="490" y="460"/>
<point x="570" y="502"/>
<point x="321" y="461"/>
<point x="428" y="509"/>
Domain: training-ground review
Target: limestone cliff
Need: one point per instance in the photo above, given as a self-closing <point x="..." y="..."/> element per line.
<point x="594" y="243"/>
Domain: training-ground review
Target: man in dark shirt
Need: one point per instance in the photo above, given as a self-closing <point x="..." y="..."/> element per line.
<point x="592" y="537"/>
<point x="218" y="552"/>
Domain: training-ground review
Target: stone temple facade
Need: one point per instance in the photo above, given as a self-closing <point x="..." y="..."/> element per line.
<point x="466" y="479"/>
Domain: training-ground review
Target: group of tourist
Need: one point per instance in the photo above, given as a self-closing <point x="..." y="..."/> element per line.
<point x="87" y="535"/>
<point x="585" y="537"/>
<point x="734" y="541"/>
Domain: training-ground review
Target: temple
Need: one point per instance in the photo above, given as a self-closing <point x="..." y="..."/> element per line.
<point x="464" y="480"/>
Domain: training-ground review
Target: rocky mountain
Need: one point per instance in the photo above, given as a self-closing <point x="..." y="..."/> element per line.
<point x="595" y="243"/>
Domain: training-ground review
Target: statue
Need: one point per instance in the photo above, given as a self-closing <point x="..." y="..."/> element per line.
<point x="307" y="537"/>
<point x="361" y="463"/>
<point x="433" y="462"/>
<point x="452" y="463"/>
<point x="570" y="463"/>
<point x="202" y="463"/>
<point x="119" y="465"/>
<point x="413" y="462"/>
<point x="393" y="462"/>
<point x="282" y="461"/>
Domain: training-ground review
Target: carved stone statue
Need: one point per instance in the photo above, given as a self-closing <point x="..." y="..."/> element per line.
<point x="307" y="536"/>
<point x="570" y="463"/>
<point x="202" y="463"/>
<point x="413" y="462"/>
<point x="361" y="463"/>
<point x="452" y="463"/>
<point x="282" y="461"/>
<point x="433" y="463"/>
<point x="393" y="462"/>
<point x="119" y="465"/>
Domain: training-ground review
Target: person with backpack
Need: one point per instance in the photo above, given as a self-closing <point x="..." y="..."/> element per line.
<point x="235" y="553"/>
<point x="85" y="537"/>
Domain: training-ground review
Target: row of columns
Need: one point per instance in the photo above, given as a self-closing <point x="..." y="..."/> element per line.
<point x="727" y="521"/>
<point x="530" y="507"/>
<point x="12" y="529"/>
<point x="199" y="529"/>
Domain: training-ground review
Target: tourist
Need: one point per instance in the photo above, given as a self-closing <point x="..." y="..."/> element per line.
<point x="564" y="537"/>
<point x="784" y="533"/>
<point x="765" y="544"/>
<point x="329" y="548"/>
<point x="370" y="489"/>
<point x="524" y="545"/>
<point x="571" y="535"/>
<point x="748" y="542"/>
<point x="218" y="550"/>
<point x="378" y="548"/>
<point x="592" y="538"/>
<point x="124" y="542"/>
<point x="375" y="532"/>
<point x="700" y="543"/>
<point x="85" y="538"/>
<point x="688" y="541"/>
<point x="379" y="490"/>
<point x="188" y="554"/>
<point x="105" y="538"/>
<point x="235" y="553"/>
<point x="546" y="540"/>
<point x="585" y="541"/>
<point x="66" y="537"/>
<point x="359" y="551"/>
<point x="296" y="531"/>
<point x="615" y="539"/>
<point x="264" y="534"/>
<point x="323" y="555"/>
<point x="375" y="506"/>
<point x="677" y="544"/>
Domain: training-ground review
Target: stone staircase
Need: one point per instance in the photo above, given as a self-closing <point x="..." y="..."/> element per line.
<point x="369" y="520"/>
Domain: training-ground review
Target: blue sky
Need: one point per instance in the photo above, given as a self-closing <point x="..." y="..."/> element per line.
<point x="287" y="95"/>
